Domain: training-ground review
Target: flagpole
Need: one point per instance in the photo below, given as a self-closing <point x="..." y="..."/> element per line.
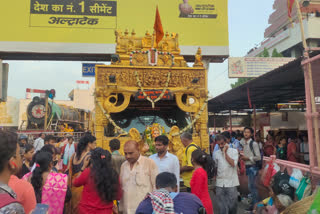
<point x="304" y="42"/>
<point x="312" y="97"/>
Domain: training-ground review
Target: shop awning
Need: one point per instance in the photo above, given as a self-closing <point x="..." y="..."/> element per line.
<point x="284" y="84"/>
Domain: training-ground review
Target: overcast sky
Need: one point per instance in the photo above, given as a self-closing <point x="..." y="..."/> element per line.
<point x="247" y="22"/>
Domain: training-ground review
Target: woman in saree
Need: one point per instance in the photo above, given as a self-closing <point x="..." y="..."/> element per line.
<point x="79" y="162"/>
<point x="50" y="188"/>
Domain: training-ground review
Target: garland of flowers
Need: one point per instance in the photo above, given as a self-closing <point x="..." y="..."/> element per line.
<point x="173" y="135"/>
<point x="194" y="120"/>
<point x="110" y="120"/>
<point x="147" y="52"/>
<point x="144" y="93"/>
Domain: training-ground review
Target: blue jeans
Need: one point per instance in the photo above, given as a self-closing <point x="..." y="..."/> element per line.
<point x="252" y="173"/>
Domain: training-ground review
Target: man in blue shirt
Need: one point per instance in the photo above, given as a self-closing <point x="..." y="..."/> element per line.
<point x="235" y="144"/>
<point x="166" y="161"/>
<point x="185" y="203"/>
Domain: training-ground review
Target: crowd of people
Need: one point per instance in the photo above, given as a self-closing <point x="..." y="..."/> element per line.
<point x="291" y="147"/>
<point x="61" y="176"/>
<point x="58" y="175"/>
<point x="238" y="153"/>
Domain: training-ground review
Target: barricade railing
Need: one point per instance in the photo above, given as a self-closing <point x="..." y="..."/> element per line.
<point x="32" y="135"/>
<point x="289" y="165"/>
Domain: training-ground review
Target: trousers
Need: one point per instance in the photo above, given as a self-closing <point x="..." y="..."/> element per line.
<point x="227" y="200"/>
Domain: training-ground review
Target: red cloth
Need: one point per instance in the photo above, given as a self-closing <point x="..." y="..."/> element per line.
<point x="90" y="200"/>
<point x="290" y="7"/>
<point x="199" y="187"/>
<point x="242" y="167"/>
<point x="269" y="174"/>
<point x="269" y="148"/>
<point x="292" y="148"/>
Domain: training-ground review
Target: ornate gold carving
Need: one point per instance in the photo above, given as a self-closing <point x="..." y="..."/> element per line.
<point x="153" y="77"/>
<point x="187" y="106"/>
<point x="139" y="59"/>
<point x="111" y="104"/>
<point x="144" y="94"/>
<point x="176" y="147"/>
<point x="198" y="59"/>
<point x="183" y="80"/>
<point x="127" y="43"/>
<point x="135" y="135"/>
<point x="164" y="60"/>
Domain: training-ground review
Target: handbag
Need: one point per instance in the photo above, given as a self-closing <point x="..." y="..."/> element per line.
<point x="295" y="178"/>
<point x="304" y="188"/>
<point x="281" y="184"/>
<point x="271" y="171"/>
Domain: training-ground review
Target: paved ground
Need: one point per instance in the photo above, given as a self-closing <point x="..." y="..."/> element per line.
<point x="241" y="206"/>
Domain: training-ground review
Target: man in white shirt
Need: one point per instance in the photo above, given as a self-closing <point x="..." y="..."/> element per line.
<point x="227" y="179"/>
<point x="39" y="142"/>
<point x="137" y="176"/>
<point x="304" y="149"/>
<point x="166" y="161"/>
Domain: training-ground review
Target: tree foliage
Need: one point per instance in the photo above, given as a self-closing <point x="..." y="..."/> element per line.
<point x="275" y="53"/>
<point x="240" y="81"/>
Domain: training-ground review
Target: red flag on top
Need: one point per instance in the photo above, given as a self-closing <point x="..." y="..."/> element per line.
<point x="290" y="6"/>
<point x="158" y="27"/>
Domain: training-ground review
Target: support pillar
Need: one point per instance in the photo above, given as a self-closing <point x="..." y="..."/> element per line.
<point x="99" y="124"/>
<point x="254" y="122"/>
<point x="230" y="121"/>
<point x="214" y="124"/>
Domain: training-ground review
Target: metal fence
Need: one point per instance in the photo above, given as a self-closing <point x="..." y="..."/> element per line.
<point x="32" y="136"/>
<point x="312" y="89"/>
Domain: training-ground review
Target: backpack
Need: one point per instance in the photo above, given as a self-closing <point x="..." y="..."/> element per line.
<point x="259" y="162"/>
<point x="211" y="169"/>
<point x="304" y="188"/>
<point x="190" y="146"/>
<point x="6" y="199"/>
<point x="201" y="210"/>
<point x="281" y="184"/>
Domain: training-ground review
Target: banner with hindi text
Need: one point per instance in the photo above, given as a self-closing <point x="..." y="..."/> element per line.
<point x="88" y="26"/>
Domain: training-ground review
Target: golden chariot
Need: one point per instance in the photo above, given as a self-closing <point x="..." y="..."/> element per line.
<point x="150" y="90"/>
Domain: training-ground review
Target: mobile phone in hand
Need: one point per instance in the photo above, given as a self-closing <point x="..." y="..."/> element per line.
<point x="41" y="209"/>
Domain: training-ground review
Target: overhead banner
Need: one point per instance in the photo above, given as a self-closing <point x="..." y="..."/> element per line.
<point x="254" y="66"/>
<point x="88" y="26"/>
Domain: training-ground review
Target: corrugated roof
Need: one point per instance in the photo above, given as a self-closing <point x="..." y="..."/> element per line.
<point x="283" y="84"/>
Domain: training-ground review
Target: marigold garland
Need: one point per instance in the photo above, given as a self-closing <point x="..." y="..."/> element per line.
<point x="144" y="93"/>
<point x="193" y="121"/>
<point x="111" y="120"/>
<point x="173" y="135"/>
